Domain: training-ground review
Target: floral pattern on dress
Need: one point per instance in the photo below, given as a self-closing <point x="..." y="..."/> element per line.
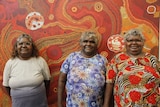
<point x="85" y="80"/>
<point x="135" y="80"/>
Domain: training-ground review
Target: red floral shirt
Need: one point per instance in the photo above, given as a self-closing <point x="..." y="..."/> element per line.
<point x="136" y="81"/>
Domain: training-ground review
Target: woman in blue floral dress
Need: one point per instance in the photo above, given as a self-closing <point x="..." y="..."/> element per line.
<point x="83" y="75"/>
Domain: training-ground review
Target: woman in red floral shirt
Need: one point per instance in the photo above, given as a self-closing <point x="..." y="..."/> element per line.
<point x="133" y="75"/>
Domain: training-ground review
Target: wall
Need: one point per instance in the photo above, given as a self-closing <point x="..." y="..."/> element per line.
<point x="56" y="25"/>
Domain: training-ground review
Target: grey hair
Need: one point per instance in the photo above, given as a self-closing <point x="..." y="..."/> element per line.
<point x="134" y="32"/>
<point x="25" y="36"/>
<point x="90" y="34"/>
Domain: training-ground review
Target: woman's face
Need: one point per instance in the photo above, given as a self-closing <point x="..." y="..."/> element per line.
<point x="134" y="45"/>
<point x="89" y="47"/>
<point x="24" y="48"/>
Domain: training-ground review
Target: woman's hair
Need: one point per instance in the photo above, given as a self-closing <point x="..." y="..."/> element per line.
<point x="90" y="34"/>
<point x="35" y="52"/>
<point x="134" y="32"/>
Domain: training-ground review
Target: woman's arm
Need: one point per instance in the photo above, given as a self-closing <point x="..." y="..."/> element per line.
<point x="7" y="89"/>
<point x="61" y="88"/>
<point x="47" y="86"/>
<point x="108" y="95"/>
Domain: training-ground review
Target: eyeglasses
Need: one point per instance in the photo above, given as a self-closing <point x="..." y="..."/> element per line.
<point x="86" y="41"/>
<point x="136" y="40"/>
<point x="24" y="43"/>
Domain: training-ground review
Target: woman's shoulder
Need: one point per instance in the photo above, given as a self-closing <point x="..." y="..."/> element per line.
<point x="12" y="60"/>
<point x="9" y="61"/>
<point x="151" y="57"/>
<point x="77" y="53"/>
<point x="120" y="54"/>
<point x="39" y="58"/>
<point x="149" y="54"/>
<point x="101" y="56"/>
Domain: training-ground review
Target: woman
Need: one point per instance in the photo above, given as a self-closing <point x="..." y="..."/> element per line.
<point x="83" y="74"/>
<point x="26" y="75"/>
<point x="134" y="75"/>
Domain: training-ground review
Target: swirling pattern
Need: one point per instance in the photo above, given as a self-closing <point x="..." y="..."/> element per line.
<point x="64" y="20"/>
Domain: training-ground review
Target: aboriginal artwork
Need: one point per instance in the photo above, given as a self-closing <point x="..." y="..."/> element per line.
<point x="56" y="26"/>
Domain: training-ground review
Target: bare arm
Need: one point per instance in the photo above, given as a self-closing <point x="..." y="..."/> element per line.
<point x="47" y="86"/>
<point x="7" y="89"/>
<point x="61" y="88"/>
<point x="108" y="95"/>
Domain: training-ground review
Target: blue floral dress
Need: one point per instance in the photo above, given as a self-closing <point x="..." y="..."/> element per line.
<point x="85" y="80"/>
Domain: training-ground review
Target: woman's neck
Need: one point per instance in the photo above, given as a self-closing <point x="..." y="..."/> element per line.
<point x="23" y="58"/>
<point x="88" y="55"/>
<point x="136" y="55"/>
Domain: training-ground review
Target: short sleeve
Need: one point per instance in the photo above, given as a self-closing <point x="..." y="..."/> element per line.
<point x="66" y="64"/>
<point x="155" y="63"/>
<point x="111" y="71"/>
<point x="45" y="69"/>
<point x="6" y="73"/>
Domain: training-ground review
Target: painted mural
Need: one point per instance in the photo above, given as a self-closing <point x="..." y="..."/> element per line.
<point x="56" y="25"/>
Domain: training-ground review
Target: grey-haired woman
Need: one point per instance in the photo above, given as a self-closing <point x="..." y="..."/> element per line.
<point x="133" y="75"/>
<point x="83" y="75"/>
